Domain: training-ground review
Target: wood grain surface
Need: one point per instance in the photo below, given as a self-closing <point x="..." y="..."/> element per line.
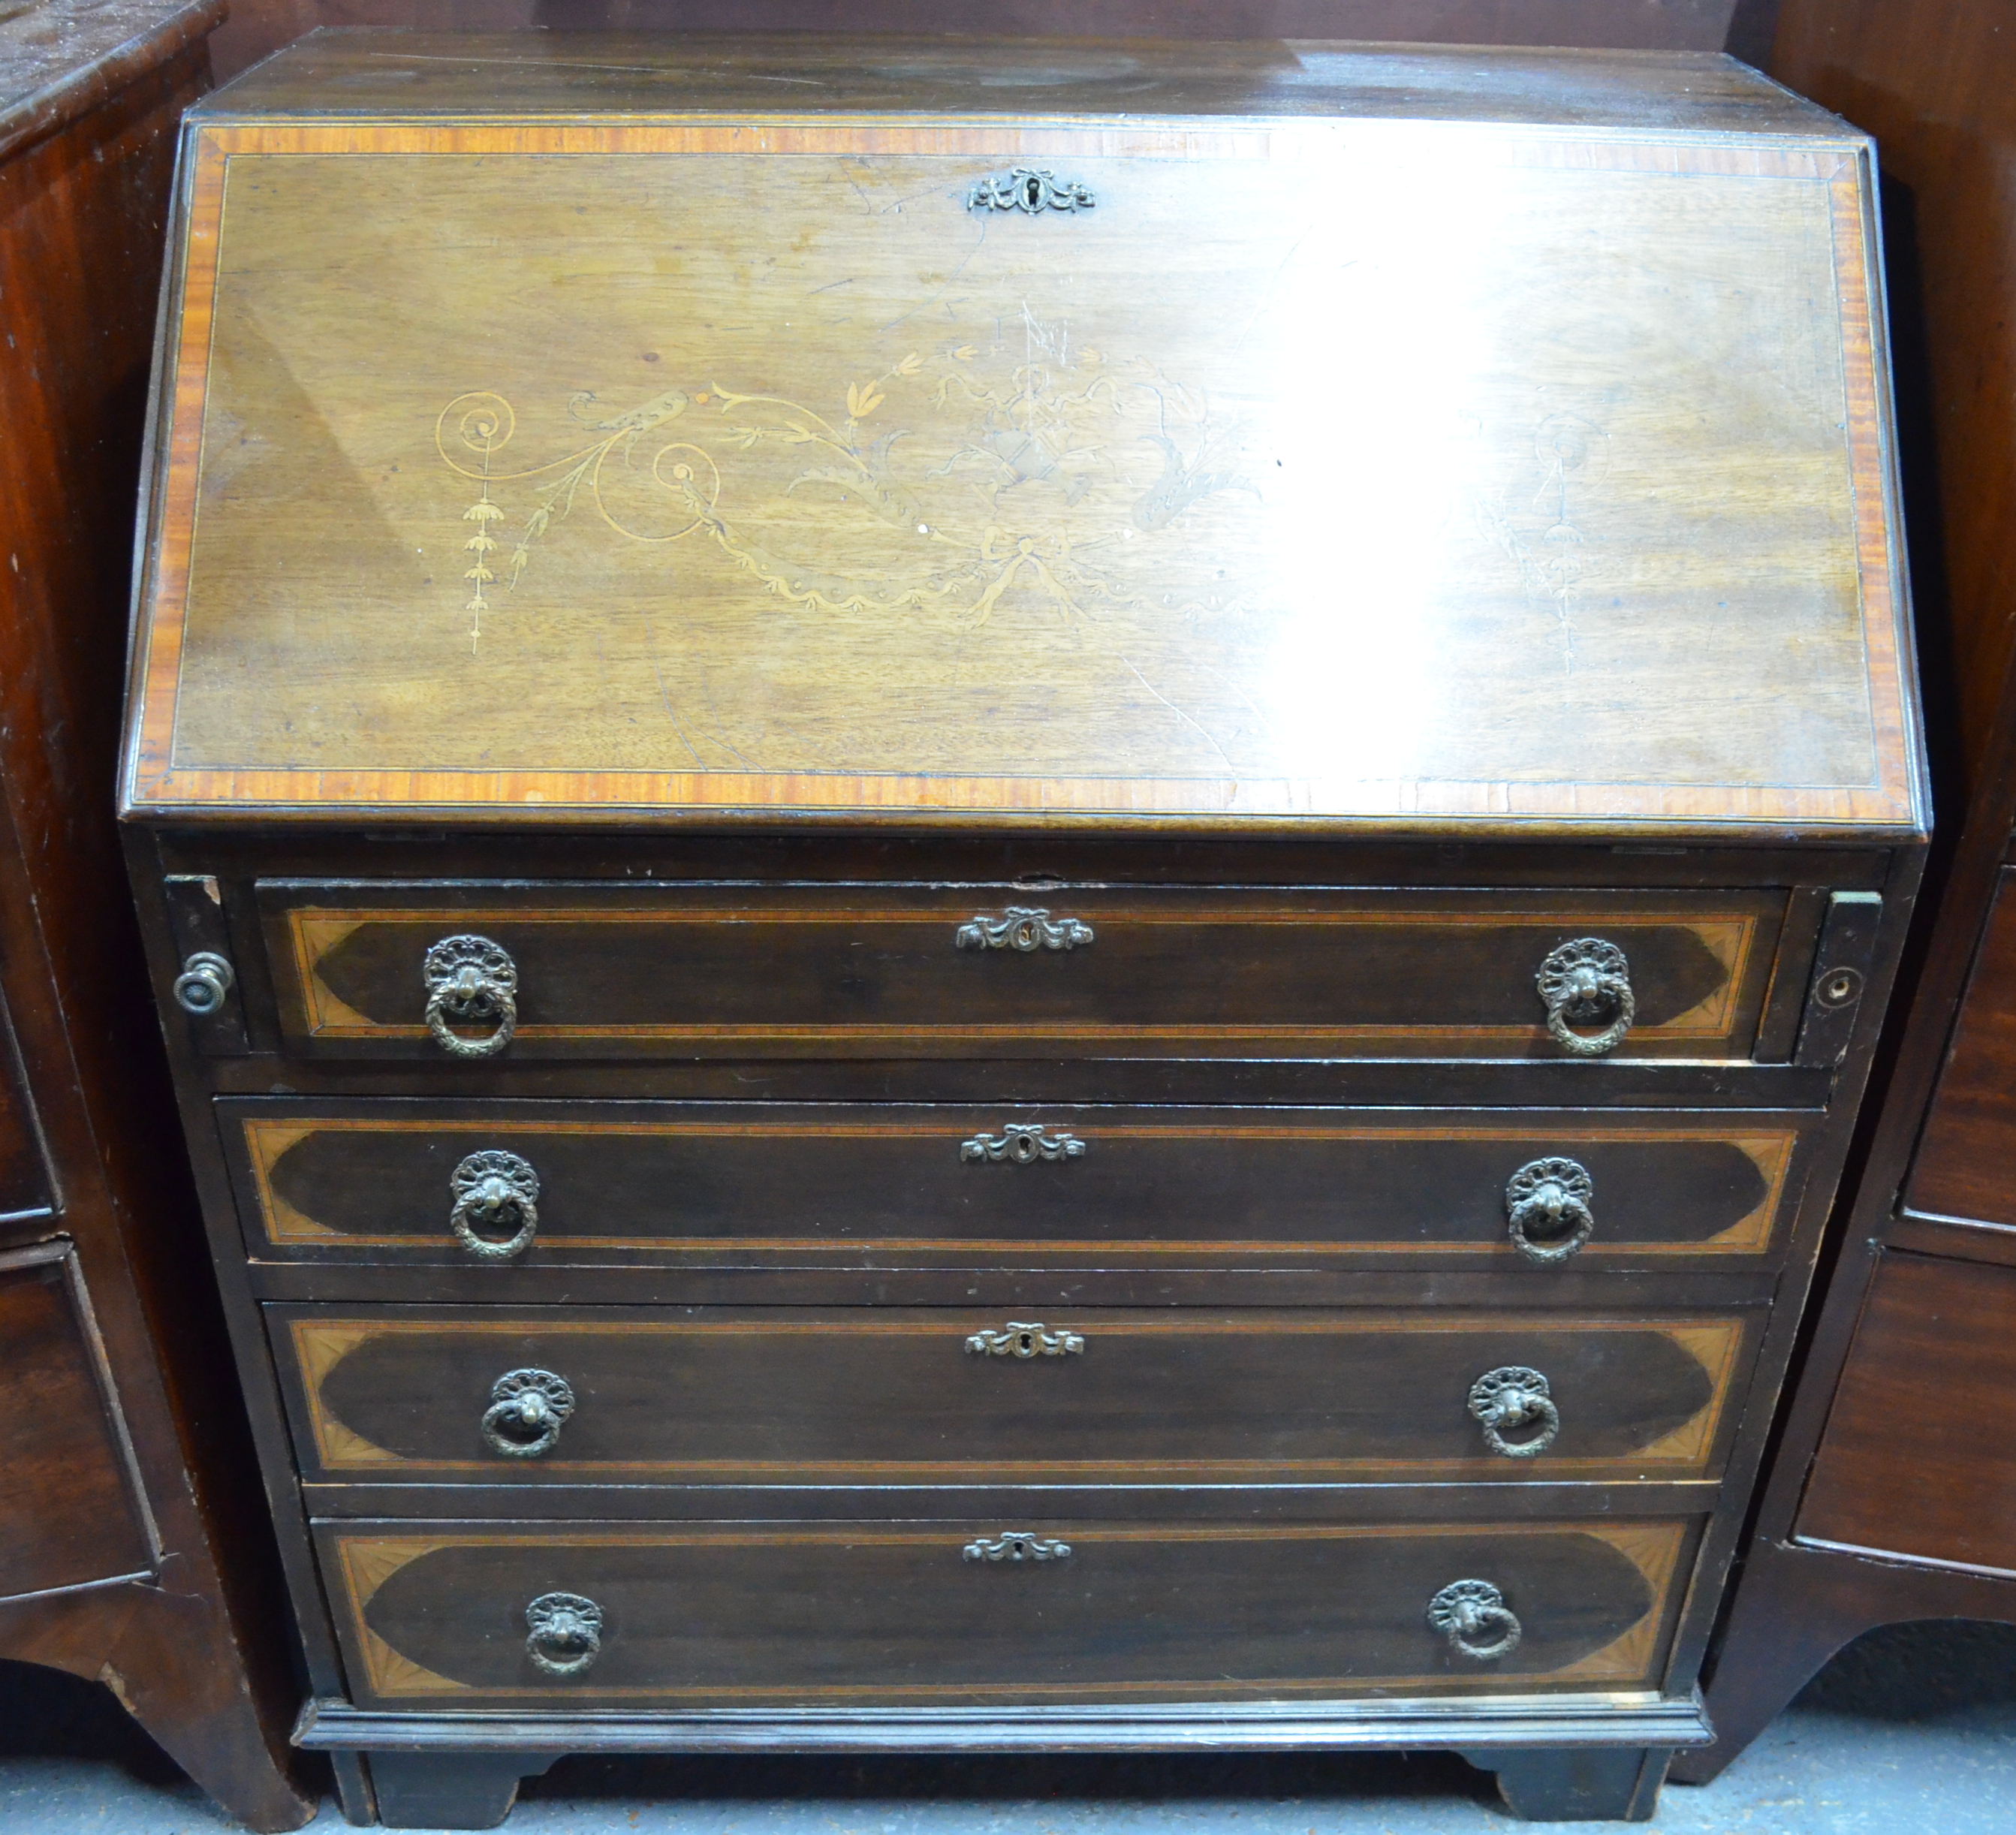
<point x="899" y="1396"/>
<point x="615" y="970"/>
<point x="930" y="510"/>
<point x="196" y="1646"/>
<point x="856" y="1182"/>
<point x="62" y="1444"/>
<point x="257" y="28"/>
<point x="1969" y="1142"/>
<point x="866" y="1613"/>
<point x="1913" y="1464"/>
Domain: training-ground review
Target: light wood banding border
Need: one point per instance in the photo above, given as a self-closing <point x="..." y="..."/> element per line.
<point x="1894" y="799"/>
<point x="363" y="1562"/>
<point x="284" y="1225"/>
<point x="319" y="1344"/>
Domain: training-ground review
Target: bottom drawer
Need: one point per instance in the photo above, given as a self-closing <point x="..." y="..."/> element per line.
<point x="1015" y="1613"/>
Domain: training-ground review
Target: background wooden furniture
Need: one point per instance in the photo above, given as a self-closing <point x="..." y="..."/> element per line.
<point x="804" y="853"/>
<point x="130" y="1551"/>
<point x="1892" y="1495"/>
<point x="257" y="28"/>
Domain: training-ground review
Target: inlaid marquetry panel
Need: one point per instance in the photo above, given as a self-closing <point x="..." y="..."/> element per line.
<point x="505" y="468"/>
<point x="863" y="1614"/>
<point x="843" y="1183"/>
<point x="901" y="1395"/>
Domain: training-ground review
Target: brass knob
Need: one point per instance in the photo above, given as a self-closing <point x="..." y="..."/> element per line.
<point x="206" y="979"/>
<point x="527" y="1409"/>
<point x="495" y="1191"/>
<point x="1587" y="983"/>
<point x="473" y="982"/>
<point x="1547" y="1202"/>
<point x="1511" y="1399"/>
<point x="565" y="1633"/>
<point x="1472" y="1614"/>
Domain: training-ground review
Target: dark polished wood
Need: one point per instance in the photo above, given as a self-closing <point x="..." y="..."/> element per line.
<point x="756" y="972"/>
<point x="862" y="1397"/>
<point x="730" y="1183"/>
<point x="1912" y="1463"/>
<point x="257" y="28"/>
<point x="885" y="1614"/>
<point x="1935" y="82"/>
<point x="134" y="1550"/>
<point x="847" y="869"/>
<point x="1961" y="1169"/>
<point x="62" y="1441"/>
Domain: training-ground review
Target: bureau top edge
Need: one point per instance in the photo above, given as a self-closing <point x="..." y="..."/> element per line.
<point x="357" y="72"/>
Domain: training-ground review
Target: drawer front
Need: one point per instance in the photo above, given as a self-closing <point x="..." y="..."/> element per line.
<point x="1970" y="1138"/>
<point x="71" y="1510"/>
<point x="903" y="1395"/>
<point x="431" y="1615"/>
<point x="1916" y="1462"/>
<point x="24" y="1184"/>
<point x="925" y="971"/>
<point x="849" y="1185"/>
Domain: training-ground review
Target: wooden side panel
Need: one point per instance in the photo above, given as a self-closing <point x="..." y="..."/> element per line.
<point x="855" y="1182"/>
<point x="865" y="1614"/>
<point x="62" y="1454"/>
<point x="1966" y="1155"/>
<point x="1916" y="1461"/>
<point x="906" y="1395"/>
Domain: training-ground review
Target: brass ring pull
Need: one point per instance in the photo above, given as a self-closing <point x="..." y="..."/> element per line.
<point x="1018" y="1339"/>
<point x="1017" y="1546"/>
<point x="1472" y="1614"/>
<point x="527" y="1409"/>
<point x="1586" y="983"/>
<point x="473" y="982"/>
<point x="490" y="1189"/>
<point x="564" y="1634"/>
<point x="1022" y="1143"/>
<point x="1514" y="1397"/>
<point x="1023" y="927"/>
<point x="1547" y="1202"/>
<point x="206" y="979"/>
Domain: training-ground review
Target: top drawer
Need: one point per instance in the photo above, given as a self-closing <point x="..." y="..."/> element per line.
<point x="478" y="973"/>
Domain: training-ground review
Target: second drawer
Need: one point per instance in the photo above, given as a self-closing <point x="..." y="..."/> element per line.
<point x="785" y="1395"/>
<point x="533" y="1185"/>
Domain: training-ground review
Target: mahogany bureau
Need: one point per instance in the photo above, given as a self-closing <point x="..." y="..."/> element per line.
<point x="1015" y="895"/>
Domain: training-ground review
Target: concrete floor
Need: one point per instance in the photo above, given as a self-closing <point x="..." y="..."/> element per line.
<point x="1911" y="1731"/>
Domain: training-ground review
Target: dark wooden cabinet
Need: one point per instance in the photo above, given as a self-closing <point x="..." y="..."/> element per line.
<point x="1891" y="1497"/>
<point x="931" y="1000"/>
<point x="132" y="1550"/>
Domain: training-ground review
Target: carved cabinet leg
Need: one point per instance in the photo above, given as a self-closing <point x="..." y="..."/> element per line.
<point x="1578" y="1784"/>
<point x="449" y="1790"/>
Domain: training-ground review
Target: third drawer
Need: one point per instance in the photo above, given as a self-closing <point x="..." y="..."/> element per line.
<point x="874" y="1396"/>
